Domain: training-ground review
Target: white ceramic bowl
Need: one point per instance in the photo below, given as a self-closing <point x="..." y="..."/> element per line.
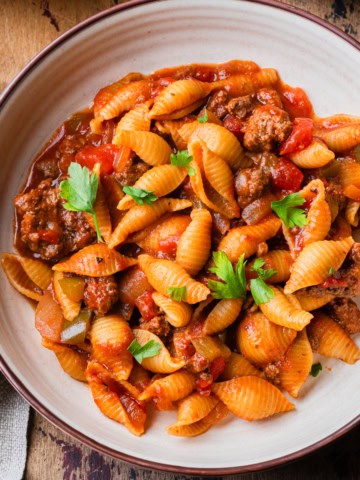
<point x="143" y="36"/>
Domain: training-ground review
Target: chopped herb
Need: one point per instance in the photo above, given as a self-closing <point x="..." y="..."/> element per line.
<point x="204" y="118"/>
<point x="177" y="293"/>
<point x="316" y="369"/>
<point x="331" y="271"/>
<point x="139" y="352"/>
<point x="285" y="210"/>
<point x="261" y="292"/>
<point x="234" y="285"/>
<point x="140" y="195"/>
<point x="80" y="190"/>
<point x="182" y="159"/>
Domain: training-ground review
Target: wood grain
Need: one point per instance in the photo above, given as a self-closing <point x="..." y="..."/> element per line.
<point x="25" y="28"/>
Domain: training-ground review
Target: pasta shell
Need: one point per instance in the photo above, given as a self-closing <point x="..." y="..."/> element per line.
<point x="173" y="387"/>
<point x="70" y="309"/>
<point x="316" y="155"/>
<point x="162" y="362"/>
<point x="251" y="398"/>
<point x="194" y="408"/>
<point x="296" y="366"/>
<point x="136" y="120"/>
<point x="341" y="138"/>
<point x="279" y="260"/>
<point x="319" y="216"/>
<point x="18" y="278"/>
<point x="349" y="173"/>
<point x="245" y="240"/>
<point x="309" y="303"/>
<point x="352" y="192"/>
<point x="329" y="339"/>
<point x="150" y="147"/>
<point x="313" y="264"/>
<point x="110" y="334"/>
<point x="280" y="310"/>
<point x="262" y="341"/>
<point x="217" y="139"/>
<point x="160" y="180"/>
<point x="119" y="365"/>
<point x="238" y="85"/>
<point x="238" y="366"/>
<point x="335" y="120"/>
<point x="222" y="315"/>
<point x="39" y="272"/>
<point x="195" y="243"/>
<point x="352" y="212"/>
<point x="97" y="260"/>
<point x="142" y="216"/>
<point x="163" y="274"/>
<point x="178" y="314"/>
<point x="139" y="377"/>
<point x="172" y="127"/>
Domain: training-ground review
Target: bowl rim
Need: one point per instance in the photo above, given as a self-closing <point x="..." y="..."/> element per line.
<point x="23" y="390"/>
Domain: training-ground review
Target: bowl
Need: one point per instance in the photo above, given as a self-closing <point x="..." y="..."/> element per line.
<point x="63" y="78"/>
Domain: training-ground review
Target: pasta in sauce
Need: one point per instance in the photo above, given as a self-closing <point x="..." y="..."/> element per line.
<point x="189" y="243"/>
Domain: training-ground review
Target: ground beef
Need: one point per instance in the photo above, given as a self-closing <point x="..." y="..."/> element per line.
<point x="101" y="293"/>
<point x="266" y="129"/>
<point x="250" y="184"/>
<point x="217" y="103"/>
<point x="269" y="96"/>
<point x="346" y="313"/>
<point x="131" y="171"/>
<point x="157" y="325"/>
<point x="334" y="196"/>
<point x="46" y="228"/>
<point x="241" y="106"/>
<point x="272" y="373"/>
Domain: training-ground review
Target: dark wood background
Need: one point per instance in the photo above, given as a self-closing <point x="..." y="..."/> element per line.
<point x="26" y="26"/>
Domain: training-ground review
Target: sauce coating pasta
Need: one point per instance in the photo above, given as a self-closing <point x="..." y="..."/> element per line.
<point x="189" y="241"/>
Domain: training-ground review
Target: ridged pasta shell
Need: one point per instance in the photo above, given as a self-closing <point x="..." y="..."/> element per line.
<point x="163" y="274"/>
<point x="245" y="240"/>
<point x="195" y="243"/>
<point x="178" y="314"/>
<point x="341" y="138"/>
<point x="279" y="260"/>
<point x="222" y="315"/>
<point x="119" y="365"/>
<point x="352" y="212"/>
<point x="217" y="139"/>
<point x="251" y="398"/>
<point x="162" y="362"/>
<point x="319" y="215"/>
<point x="136" y="120"/>
<point x="262" y="341"/>
<point x="161" y="180"/>
<point x="244" y="84"/>
<point x="172" y="127"/>
<point x="18" y="278"/>
<point x="71" y="361"/>
<point x="238" y="366"/>
<point x="316" y="155"/>
<point x="142" y="216"/>
<point x="150" y="147"/>
<point x="335" y="120"/>
<point x="329" y="339"/>
<point x="70" y="309"/>
<point x="349" y="173"/>
<point x="313" y="264"/>
<point x="283" y="312"/>
<point x="296" y="366"/>
<point x="173" y="387"/>
<point x="309" y="303"/>
<point x="194" y="408"/>
<point x="110" y="334"/>
<point x="139" y="377"/>
<point x="97" y="260"/>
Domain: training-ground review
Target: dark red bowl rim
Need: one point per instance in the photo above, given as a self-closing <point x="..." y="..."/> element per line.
<point x="34" y="402"/>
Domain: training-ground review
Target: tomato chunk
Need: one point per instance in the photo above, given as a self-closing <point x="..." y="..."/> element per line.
<point x="146" y="305"/>
<point x="106" y="155"/>
<point x="296" y="102"/>
<point x="216" y="367"/>
<point x="300" y="137"/>
<point x="169" y="244"/>
<point x="286" y="176"/>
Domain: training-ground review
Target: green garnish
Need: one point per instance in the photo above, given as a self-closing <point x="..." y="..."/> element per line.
<point x="261" y="292"/>
<point x="204" y="118"/>
<point x="182" y="159"/>
<point x="139" y="195"/>
<point x="234" y="285"/>
<point x="316" y="369"/>
<point x="285" y="210"/>
<point x="80" y="190"/>
<point x="177" y="293"/>
<point x="331" y="271"/>
<point x="139" y="352"/>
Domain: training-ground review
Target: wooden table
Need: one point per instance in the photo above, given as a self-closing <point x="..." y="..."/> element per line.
<point x="26" y="26"/>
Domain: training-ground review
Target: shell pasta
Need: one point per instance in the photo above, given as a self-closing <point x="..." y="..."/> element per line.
<point x="188" y="241"/>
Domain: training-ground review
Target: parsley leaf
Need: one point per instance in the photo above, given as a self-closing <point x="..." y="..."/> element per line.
<point x="316" y="369"/>
<point x="285" y="210"/>
<point x="80" y="190"/>
<point x="261" y="292"/>
<point x="331" y="271"/>
<point x="140" y="195"/>
<point x="182" y="159"/>
<point x="139" y="352"/>
<point x="235" y="281"/>
<point x="177" y="293"/>
<point x="204" y="118"/>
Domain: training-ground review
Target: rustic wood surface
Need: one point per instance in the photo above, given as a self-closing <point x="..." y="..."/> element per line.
<point x="26" y="26"/>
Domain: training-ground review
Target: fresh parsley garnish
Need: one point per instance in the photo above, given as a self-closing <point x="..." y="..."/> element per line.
<point x="204" y="118"/>
<point x="177" y="293"/>
<point x="234" y="285"/>
<point x="316" y="369"/>
<point x="285" y="210"/>
<point x="331" y="271"/>
<point x="139" y="352"/>
<point x="261" y="292"/>
<point x="182" y="159"/>
<point x="79" y="191"/>
<point x="140" y="195"/>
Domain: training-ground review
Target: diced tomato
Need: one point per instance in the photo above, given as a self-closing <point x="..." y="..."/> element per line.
<point x="296" y="102"/>
<point x="203" y="384"/>
<point x="286" y="176"/>
<point x="50" y="236"/>
<point x="169" y="244"/>
<point x="147" y="306"/>
<point x="234" y="125"/>
<point x="217" y="366"/>
<point x="334" y="282"/>
<point x="106" y="155"/>
<point x="205" y="74"/>
<point x="300" y="137"/>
